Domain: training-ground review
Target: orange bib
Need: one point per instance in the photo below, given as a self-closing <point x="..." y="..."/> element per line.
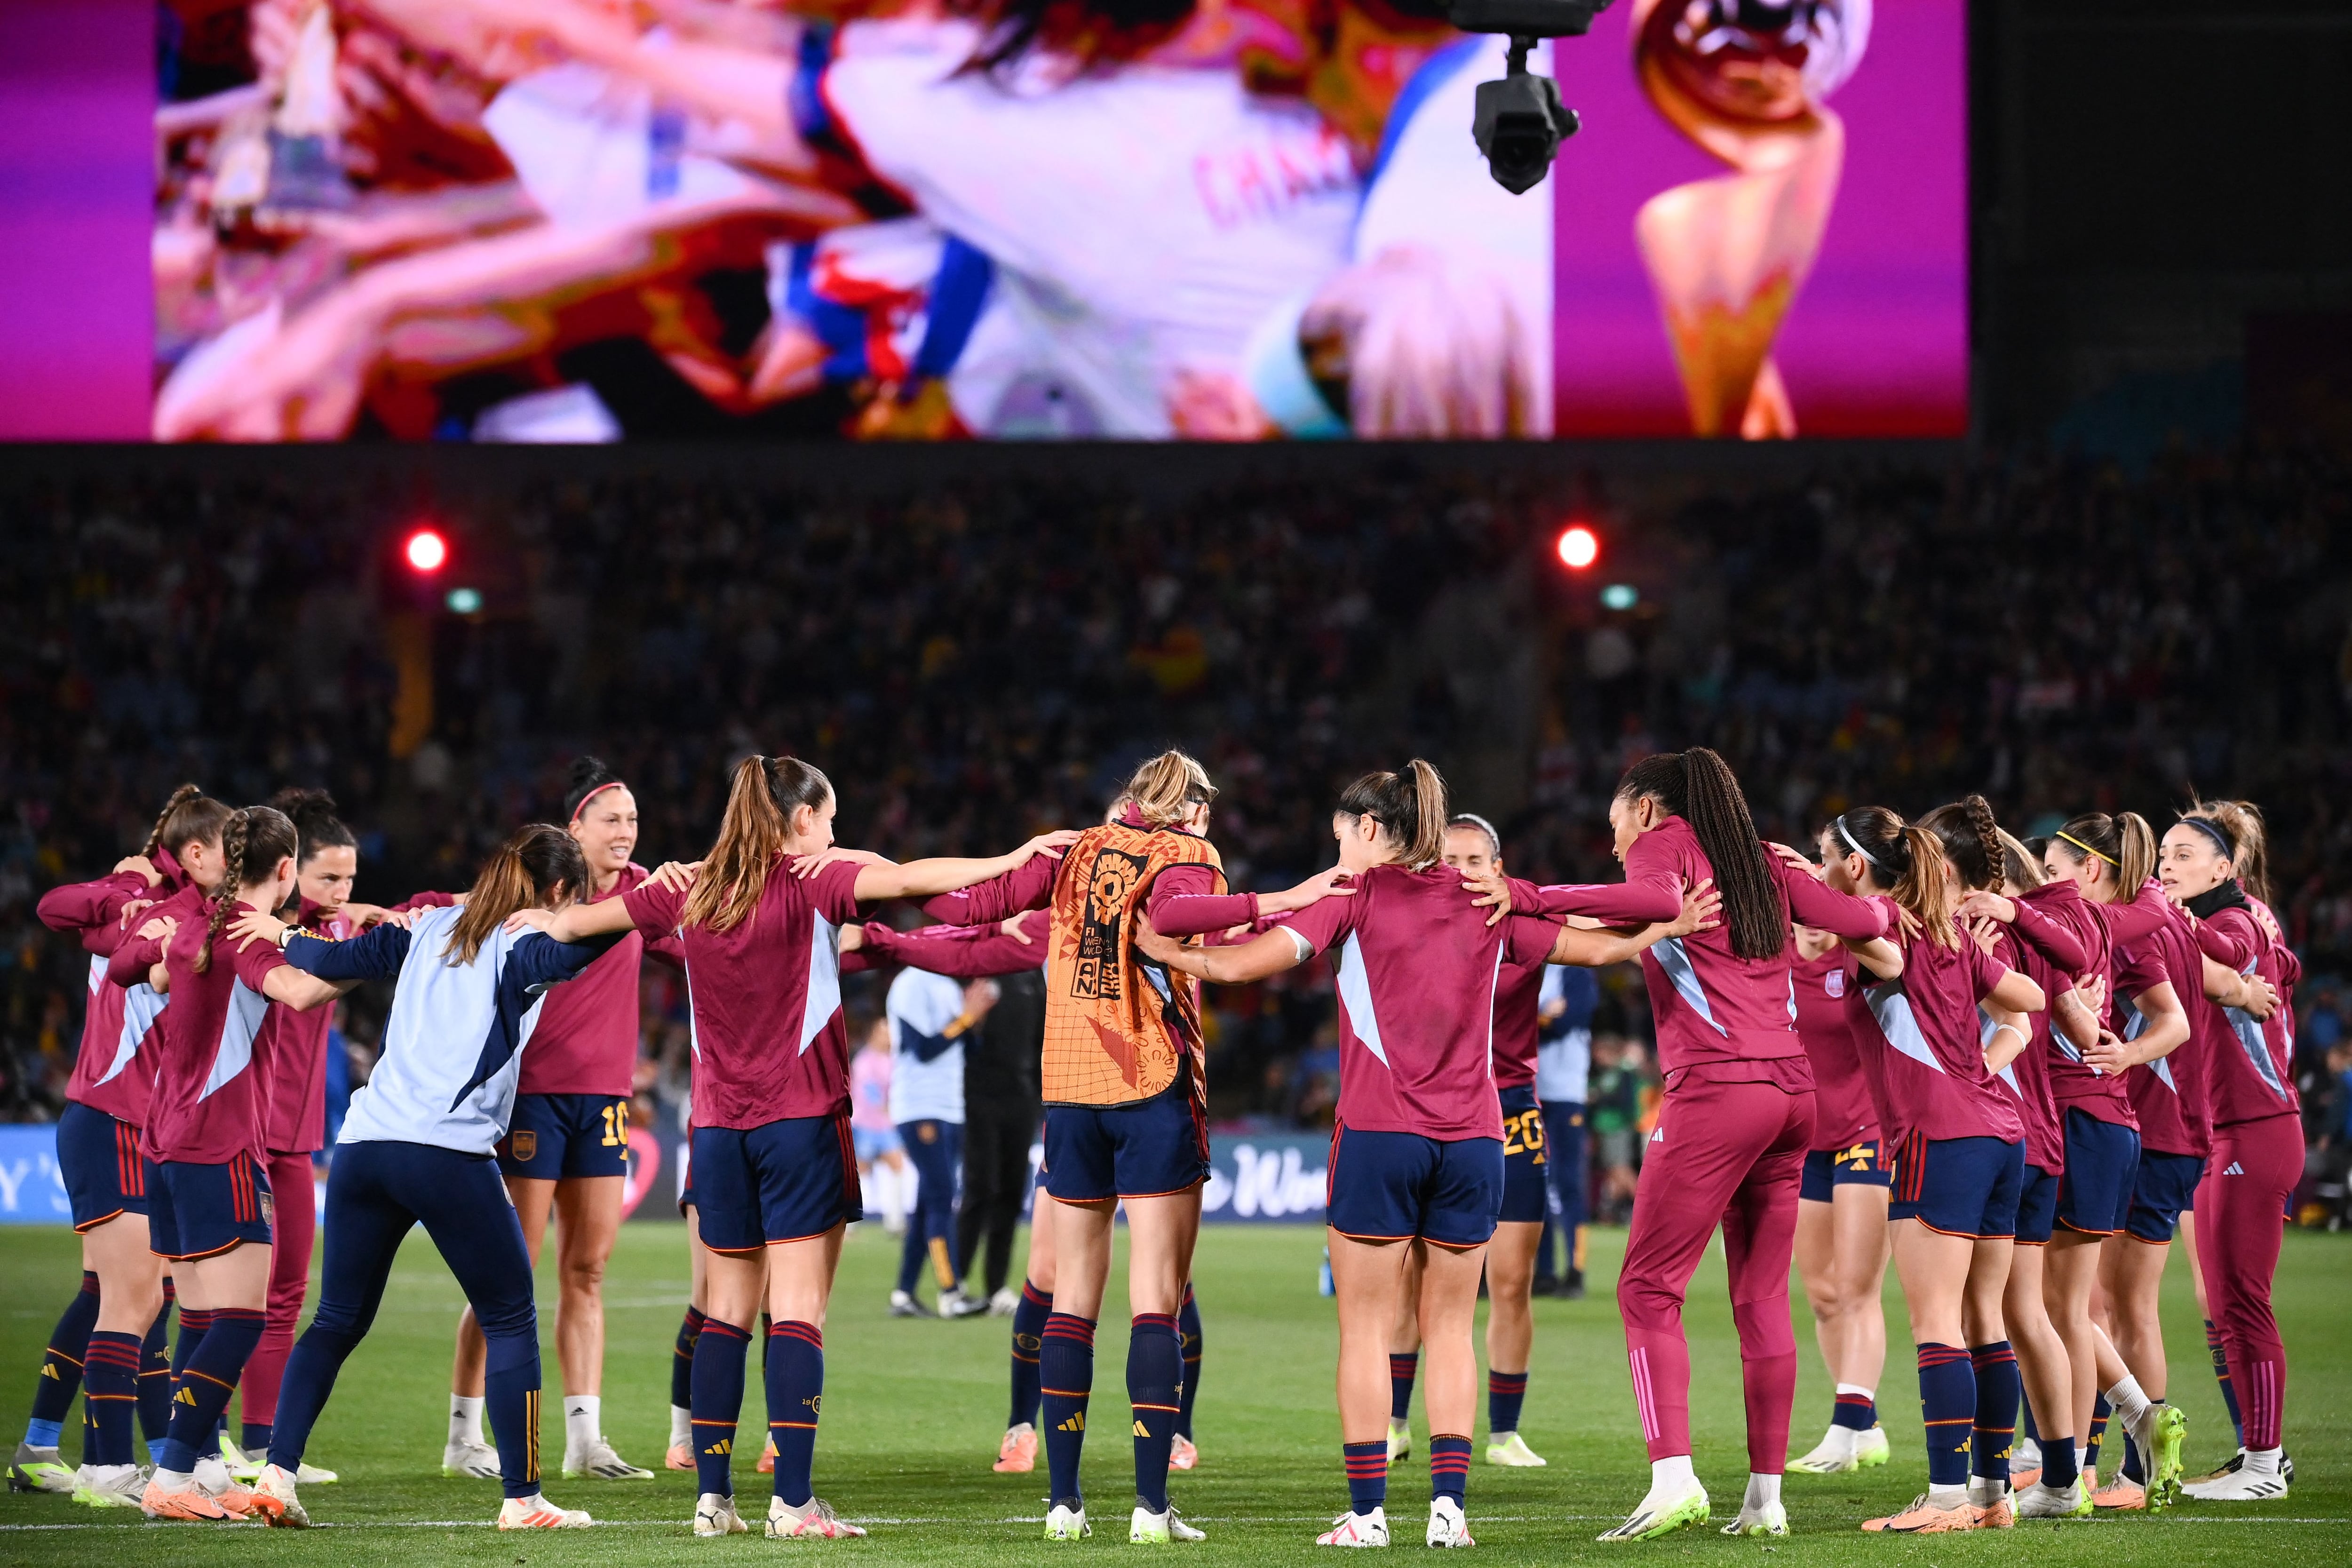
<point x="1116" y="1027"/>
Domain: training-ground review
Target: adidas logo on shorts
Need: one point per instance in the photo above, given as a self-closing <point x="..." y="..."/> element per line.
<point x="2234" y="1169"/>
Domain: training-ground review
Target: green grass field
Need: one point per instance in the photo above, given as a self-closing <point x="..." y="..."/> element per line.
<point x="914" y="1408"/>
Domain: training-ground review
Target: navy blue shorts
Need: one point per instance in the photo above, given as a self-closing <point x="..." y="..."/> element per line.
<point x="98" y="1158"/>
<point x="1855" y="1165"/>
<point x="2037" y="1207"/>
<point x="1958" y="1186"/>
<point x="2164" y="1187"/>
<point x="784" y="1181"/>
<point x="1146" y="1150"/>
<point x="1392" y="1186"/>
<point x="201" y="1211"/>
<point x="555" y="1137"/>
<point x="1526" y="1197"/>
<point x="2102" y="1161"/>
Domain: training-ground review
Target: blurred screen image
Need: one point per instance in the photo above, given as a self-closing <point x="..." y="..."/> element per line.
<point x="593" y="220"/>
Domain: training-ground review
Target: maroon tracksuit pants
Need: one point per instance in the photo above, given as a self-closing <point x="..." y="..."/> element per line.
<point x="2241" y="1218"/>
<point x="1730" y="1153"/>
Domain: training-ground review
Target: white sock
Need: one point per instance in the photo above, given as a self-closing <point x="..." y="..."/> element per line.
<point x="1672" y="1476"/>
<point x="1493" y="1437"/>
<point x="2130" y="1404"/>
<point x="1869" y="1394"/>
<point x="1840" y="1439"/>
<point x="212" y="1471"/>
<point x="174" y="1480"/>
<point x="584" y="1417"/>
<point x="2082" y="1458"/>
<point x="1763" y="1492"/>
<point x="2263" y="1461"/>
<point x="681" y="1426"/>
<point x="466" y="1418"/>
<point x="1946" y="1497"/>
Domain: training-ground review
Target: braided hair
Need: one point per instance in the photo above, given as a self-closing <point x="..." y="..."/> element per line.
<point x="1971" y="840"/>
<point x="1698" y="786"/>
<point x="253" y="841"/>
<point x="189" y="816"/>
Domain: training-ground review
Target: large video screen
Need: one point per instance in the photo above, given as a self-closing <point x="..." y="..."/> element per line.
<point x="592" y="220"/>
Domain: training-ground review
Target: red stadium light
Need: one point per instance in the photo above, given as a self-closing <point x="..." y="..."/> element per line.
<point x="1578" y="547"/>
<point x="426" y="551"/>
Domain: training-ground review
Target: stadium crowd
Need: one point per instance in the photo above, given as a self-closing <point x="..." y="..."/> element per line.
<point x="1001" y="652"/>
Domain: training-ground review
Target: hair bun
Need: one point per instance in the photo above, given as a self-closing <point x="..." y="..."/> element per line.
<point x="588" y="771"/>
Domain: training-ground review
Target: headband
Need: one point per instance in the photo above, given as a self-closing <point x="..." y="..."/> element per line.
<point x="1471" y="819"/>
<point x="2212" y="830"/>
<point x="2088" y="850"/>
<point x="591" y="794"/>
<point x="1856" y="844"/>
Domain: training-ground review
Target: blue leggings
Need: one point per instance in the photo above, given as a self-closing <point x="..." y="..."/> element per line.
<point x="936" y="1150"/>
<point x="376" y="1192"/>
<point x="1564" y="1122"/>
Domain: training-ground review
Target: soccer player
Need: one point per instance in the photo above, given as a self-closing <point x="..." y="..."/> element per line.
<point x="415" y="1148"/>
<point x="110" y="1338"/>
<point x="295" y="1045"/>
<point x="775" y="1177"/>
<point x="1417" y="1159"/>
<point x="1564" y="1008"/>
<point x="567" y="1150"/>
<point x="2047" y="951"/>
<point x="1730" y="1138"/>
<point x="2257" y="1156"/>
<point x="1960" y="1161"/>
<point x="2161" y="1057"/>
<point x="2110" y="860"/>
<point x="1471" y="845"/>
<point x="207" y="1192"/>
<point x="1125" y="1087"/>
<point x="929" y="1015"/>
<point x="1842" y="1237"/>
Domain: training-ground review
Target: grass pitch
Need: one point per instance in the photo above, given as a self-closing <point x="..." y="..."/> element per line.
<point x="914" y="1408"/>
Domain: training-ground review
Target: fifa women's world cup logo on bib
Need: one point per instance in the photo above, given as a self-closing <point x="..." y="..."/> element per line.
<point x="1095" y="971"/>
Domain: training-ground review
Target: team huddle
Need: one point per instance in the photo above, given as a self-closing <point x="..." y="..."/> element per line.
<point x="2018" y="1069"/>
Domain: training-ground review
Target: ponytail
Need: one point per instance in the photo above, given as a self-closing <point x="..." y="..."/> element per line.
<point x="190" y="814"/>
<point x="1165" y="789"/>
<point x="525" y="870"/>
<point x="1906" y="863"/>
<point x="313" y="812"/>
<point x="2124" y="843"/>
<point x="1410" y="806"/>
<point x="2241" y="822"/>
<point x="1698" y="786"/>
<point x="760" y="806"/>
<point x="1925" y="891"/>
<point x="252" y="843"/>
<point x="2139" y="852"/>
<point x="1970" y="839"/>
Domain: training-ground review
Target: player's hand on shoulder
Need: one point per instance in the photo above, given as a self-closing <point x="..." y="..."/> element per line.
<point x="1489" y="890"/>
<point x="676" y="878"/>
<point x="256" y="926"/>
<point x="1049" y="845"/>
<point x="806" y="865"/>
